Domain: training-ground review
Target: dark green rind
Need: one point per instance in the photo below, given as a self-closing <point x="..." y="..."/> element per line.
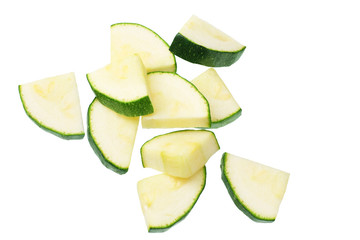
<point x="204" y="98"/>
<point x="235" y="198"/>
<point x="227" y="120"/>
<point x="49" y="129"/>
<point x="167" y="227"/>
<point x="107" y="163"/>
<point x="139" y="107"/>
<point x="195" y="53"/>
<point x="157" y="35"/>
<point x="186" y="130"/>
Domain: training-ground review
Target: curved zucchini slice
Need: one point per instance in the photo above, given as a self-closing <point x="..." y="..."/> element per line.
<point x="223" y="107"/>
<point x="181" y="153"/>
<point x="132" y="38"/>
<point x="53" y="104"/>
<point x="166" y="200"/>
<point x="257" y="190"/>
<point x="112" y="136"/>
<point x="200" y="42"/>
<point x="122" y="87"/>
<point x="177" y="103"/>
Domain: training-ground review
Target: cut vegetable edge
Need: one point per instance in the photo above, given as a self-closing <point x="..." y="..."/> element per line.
<point x="58" y="133"/>
<point x="174" y="132"/>
<point x="97" y="150"/>
<point x="155" y="229"/>
<point x="174" y="65"/>
<point x="144" y="119"/>
<point x="236" y="199"/>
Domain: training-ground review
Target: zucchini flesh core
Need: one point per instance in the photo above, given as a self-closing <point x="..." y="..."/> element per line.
<point x="53" y="104"/>
<point x="180" y="153"/>
<point x="256" y="189"/>
<point x="166" y="200"/>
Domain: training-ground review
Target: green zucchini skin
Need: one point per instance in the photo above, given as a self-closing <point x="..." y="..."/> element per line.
<point x="108" y="164"/>
<point x="135" y="108"/>
<point x="48" y="129"/>
<point x="165" y="228"/>
<point x="227" y="120"/>
<point x="235" y="198"/>
<point x="195" y="53"/>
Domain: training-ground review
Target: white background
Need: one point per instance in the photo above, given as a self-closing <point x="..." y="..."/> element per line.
<point x="296" y="83"/>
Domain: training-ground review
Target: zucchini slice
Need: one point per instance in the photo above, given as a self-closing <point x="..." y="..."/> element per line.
<point x="53" y="104"/>
<point x="112" y="136"/>
<point x="177" y="103"/>
<point x="256" y="189"/>
<point x="223" y="107"/>
<point x="166" y="200"/>
<point x="181" y="153"/>
<point x="130" y="38"/>
<point x="122" y="87"/>
<point x="200" y="42"/>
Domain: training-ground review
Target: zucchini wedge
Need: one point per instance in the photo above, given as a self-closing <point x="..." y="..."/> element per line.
<point x="180" y="153"/>
<point x="111" y="136"/>
<point x="53" y="104"/>
<point x="177" y="103"/>
<point x="200" y="42"/>
<point x="166" y="200"/>
<point x="121" y="86"/>
<point x="223" y="107"/>
<point x="131" y="38"/>
<point x="257" y="190"/>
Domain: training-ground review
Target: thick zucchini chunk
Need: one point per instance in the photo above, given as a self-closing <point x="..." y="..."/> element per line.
<point x="200" y="42"/>
<point x="257" y="190"/>
<point x="166" y="200"/>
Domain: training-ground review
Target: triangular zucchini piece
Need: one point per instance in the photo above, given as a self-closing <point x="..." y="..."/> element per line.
<point x="180" y="153"/>
<point x="112" y="136"/>
<point x="256" y="189"/>
<point x="200" y="42"/>
<point x="121" y="86"/>
<point x="166" y="200"/>
<point x="132" y="38"/>
<point x="53" y="104"/>
<point x="177" y="103"/>
<point x="223" y="107"/>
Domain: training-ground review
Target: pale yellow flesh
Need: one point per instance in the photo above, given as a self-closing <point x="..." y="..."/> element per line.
<point x="181" y="153"/>
<point x="54" y="103"/>
<point x="205" y="34"/>
<point x="128" y="39"/>
<point x="222" y="104"/>
<point x="113" y="133"/>
<point x="177" y="103"/>
<point x="260" y="188"/>
<point x="164" y="199"/>
<point x="124" y="81"/>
